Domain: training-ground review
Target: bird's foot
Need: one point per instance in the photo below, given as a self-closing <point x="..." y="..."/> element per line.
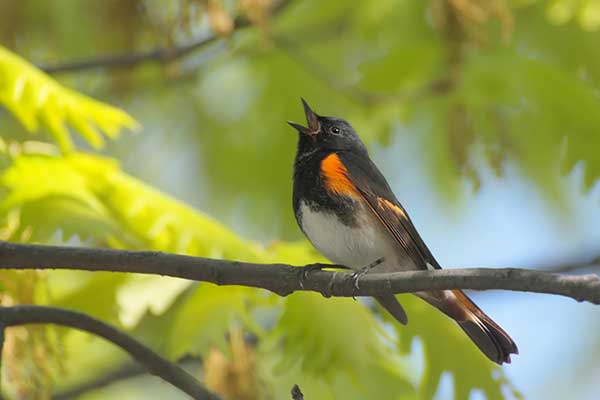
<point x="307" y="270"/>
<point x="364" y="270"/>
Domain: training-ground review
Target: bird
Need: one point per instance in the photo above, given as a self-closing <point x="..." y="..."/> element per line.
<point x="347" y="210"/>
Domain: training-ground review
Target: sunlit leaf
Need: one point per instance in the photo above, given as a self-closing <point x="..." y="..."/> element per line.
<point x="36" y="99"/>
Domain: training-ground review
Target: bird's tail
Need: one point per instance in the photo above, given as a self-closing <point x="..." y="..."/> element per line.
<point x="391" y="304"/>
<point x="483" y="331"/>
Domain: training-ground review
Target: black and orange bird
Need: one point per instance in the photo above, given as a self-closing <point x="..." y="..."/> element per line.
<point x="346" y="208"/>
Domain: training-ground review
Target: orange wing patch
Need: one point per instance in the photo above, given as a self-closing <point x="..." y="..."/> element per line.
<point x="465" y="301"/>
<point x="335" y="176"/>
<point x="386" y="204"/>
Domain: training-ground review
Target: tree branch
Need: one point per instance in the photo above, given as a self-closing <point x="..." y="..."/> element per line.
<point x="122" y="372"/>
<point x="160" y="55"/>
<point x="284" y="279"/>
<point x="154" y="363"/>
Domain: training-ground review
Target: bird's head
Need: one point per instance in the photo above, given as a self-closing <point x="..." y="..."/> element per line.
<point x="329" y="133"/>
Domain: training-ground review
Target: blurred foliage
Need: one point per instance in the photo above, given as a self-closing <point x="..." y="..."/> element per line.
<point x="235" y="378"/>
<point x="586" y="13"/>
<point x="440" y="358"/>
<point x="515" y="81"/>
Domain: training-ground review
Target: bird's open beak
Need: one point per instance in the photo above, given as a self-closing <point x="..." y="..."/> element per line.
<point x="312" y="119"/>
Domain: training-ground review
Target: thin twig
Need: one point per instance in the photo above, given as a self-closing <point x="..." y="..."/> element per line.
<point x="160" y="55"/>
<point x="297" y="393"/>
<point x="284" y="279"/>
<point x="296" y="52"/>
<point x="154" y="363"/>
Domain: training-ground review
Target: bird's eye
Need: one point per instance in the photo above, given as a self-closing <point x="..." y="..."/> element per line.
<point x="334" y="129"/>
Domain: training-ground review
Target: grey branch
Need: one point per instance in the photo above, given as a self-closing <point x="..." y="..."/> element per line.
<point x="154" y="363"/>
<point x="284" y="279"/>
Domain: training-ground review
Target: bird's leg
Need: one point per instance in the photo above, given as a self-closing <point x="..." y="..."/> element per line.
<point x="315" y="267"/>
<point x="358" y="274"/>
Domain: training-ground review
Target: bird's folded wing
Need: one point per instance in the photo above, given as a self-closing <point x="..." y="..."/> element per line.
<point x="374" y="189"/>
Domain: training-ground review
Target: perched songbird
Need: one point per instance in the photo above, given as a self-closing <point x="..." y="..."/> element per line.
<point x="347" y="210"/>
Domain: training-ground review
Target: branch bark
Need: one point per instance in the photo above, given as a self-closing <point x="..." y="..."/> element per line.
<point x="154" y="363"/>
<point x="284" y="279"/>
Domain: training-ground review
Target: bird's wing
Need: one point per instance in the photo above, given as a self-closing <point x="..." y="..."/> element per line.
<point x="374" y="189"/>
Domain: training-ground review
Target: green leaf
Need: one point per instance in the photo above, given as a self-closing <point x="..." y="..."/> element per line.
<point x="35" y="98"/>
<point x="102" y="304"/>
<point x="204" y="318"/>
<point x="48" y="194"/>
<point x="446" y="348"/>
<point x="138" y="295"/>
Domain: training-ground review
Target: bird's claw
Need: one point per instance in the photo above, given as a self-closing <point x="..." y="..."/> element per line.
<point x="307" y="270"/>
<point x="357" y="275"/>
<point x="363" y="271"/>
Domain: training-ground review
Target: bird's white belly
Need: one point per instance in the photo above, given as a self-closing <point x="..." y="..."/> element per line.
<point x="352" y="246"/>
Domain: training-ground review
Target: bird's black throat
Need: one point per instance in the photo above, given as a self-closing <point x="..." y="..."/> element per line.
<point x="309" y="188"/>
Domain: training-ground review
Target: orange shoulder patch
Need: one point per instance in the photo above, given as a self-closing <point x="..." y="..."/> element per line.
<point x="335" y="176"/>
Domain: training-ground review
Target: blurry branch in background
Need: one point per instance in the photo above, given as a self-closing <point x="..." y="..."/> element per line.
<point x="284" y="279"/>
<point x="165" y="55"/>
<point x="161" y="55"/>
<point x="365" y="97"/>
<point x="123" y="372"/>
<point x="154" y="363"/>
<point x="297" y="393"/>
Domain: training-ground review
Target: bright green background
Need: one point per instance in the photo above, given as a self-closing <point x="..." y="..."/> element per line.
<point x="477" y="88"/>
